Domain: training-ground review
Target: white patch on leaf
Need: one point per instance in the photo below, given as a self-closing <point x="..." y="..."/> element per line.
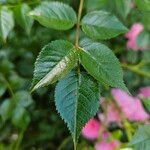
<point x="59" y="68"/>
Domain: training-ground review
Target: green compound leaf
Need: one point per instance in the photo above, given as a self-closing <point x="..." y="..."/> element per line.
<point x="102" y="64"/>
<point x="55" y="15"/>
<point x="54" y="62"/>
<point x="77" y="100"/>
<point x="21" y="17"/>
<point x="102" y="25"/>
<point x="141" y="140"/>
<point x="6" y="22"/>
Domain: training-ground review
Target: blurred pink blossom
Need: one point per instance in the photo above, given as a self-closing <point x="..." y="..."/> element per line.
<point x="131" y="106"/>
<point x="103" y="145"/>
<point x="145" y="92"/>
<point x="92" y="129"/>
<point x="132" y="35"/>
<point x="113" y="114"/>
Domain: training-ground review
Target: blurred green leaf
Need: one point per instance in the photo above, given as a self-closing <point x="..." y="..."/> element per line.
<point x="143" y="5"/>
<point x="120" y="7"/>
<point x="95" y="4"/>
<point x="6" y="109"/>
<point x="8" y="1"/>
<point x="143" y="40"/>
<point x="145" y="19"/>
<point x="146" y="56"/>
<point x="6" y="22"/>
<point x="22" y="99"/>
<point x="21" y="17"/>
<point x="6" y="66"/>
<point x="55" y="15"/>
<point x="141" y="139"/>
<point x="20" y="117"/>
<point x="16" y="82"/>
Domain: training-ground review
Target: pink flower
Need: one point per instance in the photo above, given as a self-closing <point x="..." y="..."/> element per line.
<point x="113" y="114"/>
<point x="92" y="129"/>
<point x="145" y="92"/>
<point x="132" y="35"/>
<point x="131" y="106"/>
<point x="103" y="145"/>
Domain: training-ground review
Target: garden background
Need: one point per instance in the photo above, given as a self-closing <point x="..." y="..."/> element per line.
<point x="30" y="121"/>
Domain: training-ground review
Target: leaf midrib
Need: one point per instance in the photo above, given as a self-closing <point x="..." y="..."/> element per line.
<point x="76" y="107"/>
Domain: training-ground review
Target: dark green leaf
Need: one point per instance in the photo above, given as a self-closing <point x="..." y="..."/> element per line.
<point x="6" y="109"/>
<point x="102" y="64"/>
<point x="6" y="22"/>
<point x="20" y="117"/>
<point x="77" y="100"/>
<point x="54" y="62"/>
<point x="141" y="139"/>
<point x="21" y="17"/>
<point x="55" y="15"/>
<point x="102" y="25"/>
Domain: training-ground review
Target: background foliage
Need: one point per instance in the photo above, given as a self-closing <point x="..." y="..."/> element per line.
<point x="31" y="121"/>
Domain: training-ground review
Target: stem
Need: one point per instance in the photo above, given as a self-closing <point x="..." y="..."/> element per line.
<point x="19" y="139"/>
<point x="64" y="143"/>
<point x="136" y="70"/>
<point x="78" y="23"/>
<point x="75" y="145"/>
<point x="78" y="29"/>
<point x="77" y="46"/>
<point x="8" y="86"/>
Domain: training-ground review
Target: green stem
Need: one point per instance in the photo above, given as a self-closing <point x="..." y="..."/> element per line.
<point x="8" y="86"/>
<point x="75" y="145"/>
<point x="78" y="23"/>
<point x="128" y="129"/>
<point x="136" y="70"/>
<point x="77" y="46"/>
<point x="19" y="139"/>
<point x="64" y="143"/>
